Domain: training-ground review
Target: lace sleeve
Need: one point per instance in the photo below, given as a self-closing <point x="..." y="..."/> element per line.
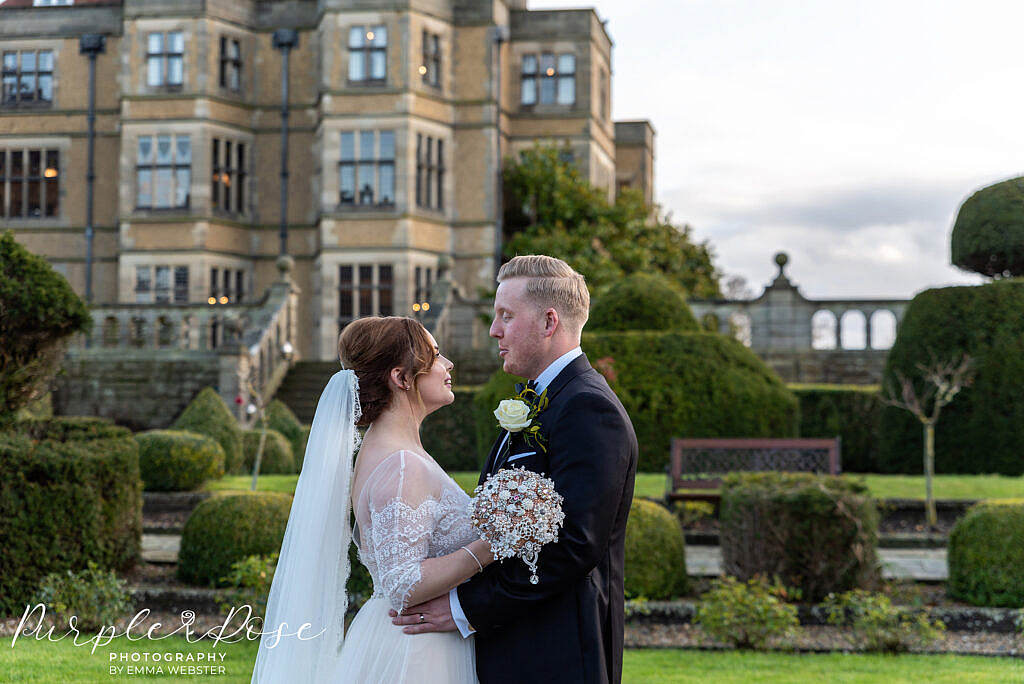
<point x="403" y="512"/>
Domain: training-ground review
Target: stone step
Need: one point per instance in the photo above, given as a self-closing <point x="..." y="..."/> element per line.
<point x="895" y="540"/>
<point x="922" y="565"/>
<point x="176" y="599"/>
<point x="161" y="548"/>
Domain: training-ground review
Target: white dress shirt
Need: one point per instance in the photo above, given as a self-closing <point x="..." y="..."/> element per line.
<point x="543" y="380"/>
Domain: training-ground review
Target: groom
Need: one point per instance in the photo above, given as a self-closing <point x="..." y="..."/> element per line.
<point x="567" y="628"/>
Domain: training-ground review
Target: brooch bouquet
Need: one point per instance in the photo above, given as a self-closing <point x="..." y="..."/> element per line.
<point x="517" y="512"/>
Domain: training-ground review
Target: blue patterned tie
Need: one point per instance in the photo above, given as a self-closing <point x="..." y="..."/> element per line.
<point x="532" y="384"/>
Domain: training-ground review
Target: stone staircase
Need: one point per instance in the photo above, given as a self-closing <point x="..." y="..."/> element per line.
<point x="301" y="388"/>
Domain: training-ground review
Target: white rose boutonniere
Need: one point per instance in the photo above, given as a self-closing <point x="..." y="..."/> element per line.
<point x="519" y="413"/>
<point x="513" y="414"/>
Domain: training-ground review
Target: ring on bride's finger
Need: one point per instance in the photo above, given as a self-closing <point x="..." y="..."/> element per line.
<point x="422" y="619"/>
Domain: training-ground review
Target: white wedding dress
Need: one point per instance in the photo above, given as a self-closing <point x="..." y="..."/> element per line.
<point x="409" y="509"/>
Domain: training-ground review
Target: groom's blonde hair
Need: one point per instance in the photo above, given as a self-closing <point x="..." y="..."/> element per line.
<point x="552" y="283"/>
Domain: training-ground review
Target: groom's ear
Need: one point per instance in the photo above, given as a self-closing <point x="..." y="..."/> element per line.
<point x="551" y="322"/>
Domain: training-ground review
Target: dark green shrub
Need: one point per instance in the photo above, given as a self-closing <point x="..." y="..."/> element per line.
<point x="63" y="504"/>
<point x="986" y="555"/>
<point x="71" y="428"/>
<point x="850" y="412"/>
<point x="655" y="553"/>
<point x="640" y="301"/>
<point x="208" y="415"/>
<point x="449" y="434"/>
<point x="95" y="597"/>
<point x="875" y="624"/>
<point x="816" y="533"/>
<point x="277" y="453"/>
<point x="982" y="429"/>
<point x="40" y="314"/>
<point x="281" y="418"/>
<point x="690" y="384"/>
<point x="988" y="236"/>
<point x="747" y="615"/>
<point x="225" y="529"/>
<point x="178" y="461"/>
<point x="360" y="584"/>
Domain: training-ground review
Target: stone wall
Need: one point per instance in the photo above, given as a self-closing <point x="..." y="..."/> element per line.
<point x="141" y="390"/>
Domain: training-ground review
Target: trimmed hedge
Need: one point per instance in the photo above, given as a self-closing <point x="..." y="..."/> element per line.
<point x="225" y="529"/>
<point x="986" y="555"/>
<point x="63" y="504"/>
<point x="277" y="453"/>
<point x="640" y="301"/>
<point x="178" y="461"/>
<point x="281" y="418"/>
<point x="40" y="314"/>
<point x="208" y="415"/>
<point x="816" y="533"/>
<point x="988" y="236"/>
<point x="674" y="384"/>
<point x="655" y="553"/>
<point x="982" y="430"/>
<point x="71" y="428"/>
<point x="850" y="412"/>
<point x="449" y="434"/>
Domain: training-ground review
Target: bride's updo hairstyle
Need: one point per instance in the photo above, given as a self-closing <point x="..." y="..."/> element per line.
<point x="373" y="346"/>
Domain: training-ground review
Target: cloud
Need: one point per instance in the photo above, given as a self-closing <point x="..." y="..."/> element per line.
<point x="862" y="240"/>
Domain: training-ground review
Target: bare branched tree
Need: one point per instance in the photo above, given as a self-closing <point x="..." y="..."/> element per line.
<point x="257" y="400"/>
<point x="943" y="381"/>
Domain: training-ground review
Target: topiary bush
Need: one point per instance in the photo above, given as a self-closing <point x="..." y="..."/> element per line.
<point x="208" y="415"/>
<point x="988" y="236"/>
<point x="225" y="529"/>
<point x="655" y="553"/>
<point x="178" y="461"/>
<point x="281" y="418"/>
<point x="986" y="555"/>
<point x="815" y="533"/>
<point x="982" y="429"/>
<point x="71" y="428"/>
<point x="850" y="412"/>
<point x="674" y="384"/>
<point x="40" y="314"/>
<point x="449" y="434"/>
<point x="277" y="453"/>
<point x="640" y="301"/>
<point x="63" y="504"/>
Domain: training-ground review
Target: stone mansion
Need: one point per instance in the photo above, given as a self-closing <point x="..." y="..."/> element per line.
<point x="400" y="114"/>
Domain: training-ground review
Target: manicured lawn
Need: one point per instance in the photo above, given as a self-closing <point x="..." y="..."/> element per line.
<point x="653" y="485"/>
<point x="671" y="666"/>
<point x="42" y="662"/>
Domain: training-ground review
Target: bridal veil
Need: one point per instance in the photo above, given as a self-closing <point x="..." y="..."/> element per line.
<point x="313" y="567"/>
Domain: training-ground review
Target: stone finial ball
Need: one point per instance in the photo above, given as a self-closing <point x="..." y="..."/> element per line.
<point x="781" y="258"/>
<point x="285" y="263"/>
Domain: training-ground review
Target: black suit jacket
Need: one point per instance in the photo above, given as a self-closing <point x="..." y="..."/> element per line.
<point x="567" y="628"/>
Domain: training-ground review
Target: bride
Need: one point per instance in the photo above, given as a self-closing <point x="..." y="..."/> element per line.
<point x="412" y="526"/>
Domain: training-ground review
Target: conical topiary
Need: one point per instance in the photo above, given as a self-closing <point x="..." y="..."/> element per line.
<point x="208" y="415"/>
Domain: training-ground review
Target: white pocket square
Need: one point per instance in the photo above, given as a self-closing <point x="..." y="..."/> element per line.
<point x="522" y="455"/>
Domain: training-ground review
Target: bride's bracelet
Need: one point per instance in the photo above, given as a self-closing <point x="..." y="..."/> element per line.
<point x="466" y="549"/>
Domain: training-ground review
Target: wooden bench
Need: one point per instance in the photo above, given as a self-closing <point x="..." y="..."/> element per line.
<point x="699" y="464"/>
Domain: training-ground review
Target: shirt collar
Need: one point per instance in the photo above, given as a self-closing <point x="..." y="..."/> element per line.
<point x="556" y="367"/>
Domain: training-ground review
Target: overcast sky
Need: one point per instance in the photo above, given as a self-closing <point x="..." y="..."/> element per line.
<point x="845" y="133"/>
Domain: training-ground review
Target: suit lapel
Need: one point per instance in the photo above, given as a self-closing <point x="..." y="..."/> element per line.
<point x="491" y="457"/>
